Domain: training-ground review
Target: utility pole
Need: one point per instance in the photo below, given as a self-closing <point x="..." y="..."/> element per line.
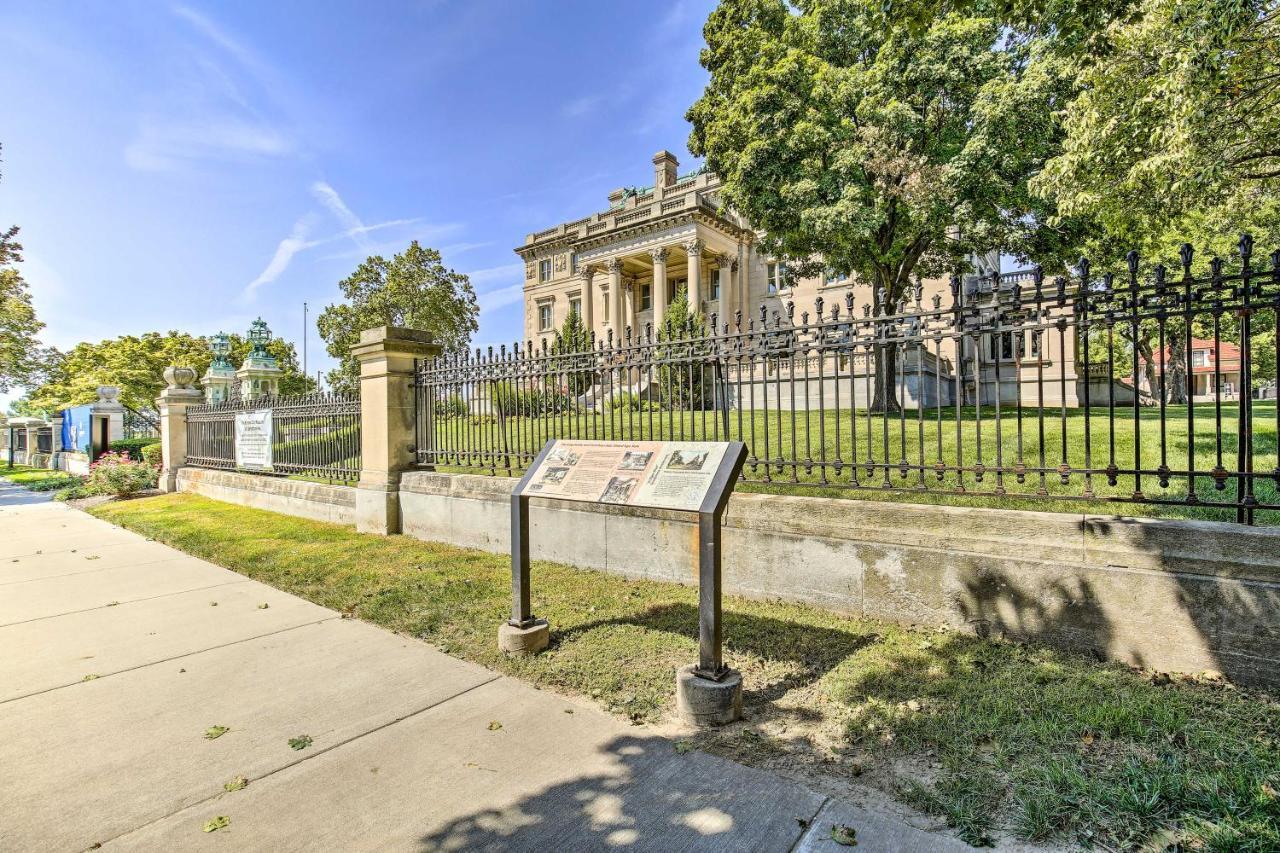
<point x="304" y="339"/>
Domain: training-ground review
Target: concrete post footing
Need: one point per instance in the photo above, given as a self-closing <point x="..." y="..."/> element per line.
<point x="704" y="702"/>
<point x="524" y="641"/>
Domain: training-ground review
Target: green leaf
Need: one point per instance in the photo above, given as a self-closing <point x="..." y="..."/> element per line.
<point x="300" y="742"/>
<point x="219" y="822"/>
<point x="844" y="835"/>
<point x="236" y="784"/>
<point x="215" y="732"/>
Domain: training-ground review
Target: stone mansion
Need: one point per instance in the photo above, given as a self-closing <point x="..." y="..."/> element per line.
<point x="620" y="268"/>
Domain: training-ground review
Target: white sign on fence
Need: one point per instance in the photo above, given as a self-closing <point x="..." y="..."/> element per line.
<point x="253" y="440"/>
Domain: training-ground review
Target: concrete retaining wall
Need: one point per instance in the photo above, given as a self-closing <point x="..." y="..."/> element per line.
<point x="1171" y="595"/>
<point x="317" y="501"/>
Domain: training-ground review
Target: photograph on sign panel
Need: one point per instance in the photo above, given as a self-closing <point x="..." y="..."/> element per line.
<point x="635" y="460"/>
<point x="563" y="456"/>
<point x="618" y="490"/>
<point x="687" y="460"/>
<point x="554" y="475"/>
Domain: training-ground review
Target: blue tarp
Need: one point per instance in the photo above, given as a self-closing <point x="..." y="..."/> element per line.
<point x="77" y="425"/>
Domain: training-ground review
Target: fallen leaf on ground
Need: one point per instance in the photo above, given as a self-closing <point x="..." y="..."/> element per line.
<point x="215" y="732"/>
<point x="844" y="835"/>
<point x="494" y="725"/>
<point x="219" y="822"/>
<point x="263" y="606"/>
<point x="235" y="784"/>
<point x="90" y="677"/>
<point x="300" y="742"/>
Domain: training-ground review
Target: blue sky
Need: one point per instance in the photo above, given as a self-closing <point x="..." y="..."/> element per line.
<point x="192" y="166"/>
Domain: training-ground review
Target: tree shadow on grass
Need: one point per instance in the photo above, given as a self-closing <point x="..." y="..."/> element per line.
<point x="813" y="651"/>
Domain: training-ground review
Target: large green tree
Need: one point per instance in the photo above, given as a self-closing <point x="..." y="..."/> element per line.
<point x="413" y="289"/>
<point x="21" y="356"/>
<point x="1173" y="132"/>
<point x="136" y="363"/>
<point x="880" y="139"/>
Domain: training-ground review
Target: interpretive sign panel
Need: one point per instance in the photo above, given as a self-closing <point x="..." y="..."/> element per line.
<point x="690" y="476"/>
<point x="253" y="440"/>
<point x="660" y="474"/>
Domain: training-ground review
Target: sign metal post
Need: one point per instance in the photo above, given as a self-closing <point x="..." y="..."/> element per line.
<point x="667" y="475"/>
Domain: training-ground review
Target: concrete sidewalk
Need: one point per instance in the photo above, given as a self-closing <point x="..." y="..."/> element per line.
<point x="117" y="654"/>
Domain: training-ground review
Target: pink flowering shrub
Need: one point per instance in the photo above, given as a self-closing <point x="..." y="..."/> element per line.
<point x="117" y="474"/>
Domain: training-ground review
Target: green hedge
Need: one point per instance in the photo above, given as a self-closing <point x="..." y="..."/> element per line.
<point x="133" y="446"/>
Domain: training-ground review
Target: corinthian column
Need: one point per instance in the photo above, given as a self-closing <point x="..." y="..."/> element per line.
<point x="659" y="256"/>
<point x="693" y="249"/>
<point x="588" y="299"/>
<point x="615" y="297"/>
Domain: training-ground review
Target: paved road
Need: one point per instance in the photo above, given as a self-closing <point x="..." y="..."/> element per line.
<point x="117" y="654"/>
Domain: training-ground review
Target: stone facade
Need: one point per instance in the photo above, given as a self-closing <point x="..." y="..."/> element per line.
<point x="621" y="267"/>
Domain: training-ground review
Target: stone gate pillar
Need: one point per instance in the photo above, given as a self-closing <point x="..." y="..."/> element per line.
<point x="386" y="356"/>
<point x="172" y="405"/>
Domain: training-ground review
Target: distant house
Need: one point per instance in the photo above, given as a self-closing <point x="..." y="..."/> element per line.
<point x="1210" y="364"/>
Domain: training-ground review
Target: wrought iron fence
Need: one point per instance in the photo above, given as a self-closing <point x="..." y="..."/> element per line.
<point x="315" y="436"/>
<point x="141" y="424"/>
<point x="1143" y="384"/>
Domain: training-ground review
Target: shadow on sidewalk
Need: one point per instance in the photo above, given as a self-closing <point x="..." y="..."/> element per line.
<point x="652" y="798"/>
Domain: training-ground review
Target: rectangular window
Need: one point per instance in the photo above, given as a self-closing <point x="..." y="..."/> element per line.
<point x="775" y="277"/>
<point x="544" y="317"/>
<point x="604" y="306"/>
<point x="715" y="284"/>
<point x="1035" y="343"/>
<point x="832" y="278"/>
<point x="1200" y="358"/>
<point x="575" y="306"/>
<point x="573" y="262"/>
<point x="544" y="270"/>
<point x="678" y="287"/>
<point x="646" y="297"/>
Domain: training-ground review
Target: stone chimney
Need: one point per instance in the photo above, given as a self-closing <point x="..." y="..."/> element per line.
<point x="664" y="171"/>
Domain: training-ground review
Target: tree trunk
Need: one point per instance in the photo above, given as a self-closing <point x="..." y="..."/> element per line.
<point x="1175" y="381"/>
<point x="885" y="399"/>
<point x="886" y="389"/>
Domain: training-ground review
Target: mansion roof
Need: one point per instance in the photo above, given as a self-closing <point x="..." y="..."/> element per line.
<point x="634" y="210"/>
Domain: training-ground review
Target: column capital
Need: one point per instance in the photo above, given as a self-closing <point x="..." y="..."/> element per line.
<point x="586" y="272"/>
<point x="693" y="248"/>
<point x="659" y="254"/>
<point x="614" y="265"/>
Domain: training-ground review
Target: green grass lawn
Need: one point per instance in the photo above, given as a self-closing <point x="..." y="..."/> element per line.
<point x="815" y="440"/>
<point x="38" y="479"/>
<point x="995" y="736"/>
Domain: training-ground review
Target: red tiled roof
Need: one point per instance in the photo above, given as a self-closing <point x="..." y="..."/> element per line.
<point x="1230" y="356"/>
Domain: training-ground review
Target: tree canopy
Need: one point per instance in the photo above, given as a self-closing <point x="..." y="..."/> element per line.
<point x="413" y="289"/>
<point x="890" y="140"/>
<point x="1172" y="131"/>
<point x="136" y="363"/>
<point x="21" y="356"/>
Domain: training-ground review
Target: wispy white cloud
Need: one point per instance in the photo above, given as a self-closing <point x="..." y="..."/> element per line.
<point x="223" y="103"/>
<point x="459" y="248"/>
<point x="165" y="146"/>
<point x="579" y="107"/>
<point x="506" y="272"/>
<point x="502" y="297"/>
<point x="285" y="250"/>
<point x="354" y="228"/>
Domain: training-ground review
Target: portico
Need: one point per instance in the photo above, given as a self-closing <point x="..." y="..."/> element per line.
<point x="621" y="269"/>
<point x="651" y="276"/>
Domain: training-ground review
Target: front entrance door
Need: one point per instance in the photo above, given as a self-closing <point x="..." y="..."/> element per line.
<point x="101" y="438"/>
